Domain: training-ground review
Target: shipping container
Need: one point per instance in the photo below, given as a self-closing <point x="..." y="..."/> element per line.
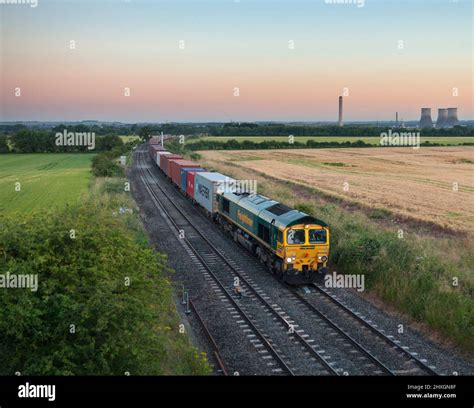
<point x="175" y="167"/>
<point x="190" y="175"/>
<point x="184" y="176"/>
<point x="159" y="155"/>
<point x="206" y="185"/>
<point x="164" y="161"/>
<point x="154" y="140"/>
<point x="153" y="149"/>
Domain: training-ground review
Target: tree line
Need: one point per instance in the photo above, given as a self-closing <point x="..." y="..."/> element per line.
<point x="275" y="129"/>
<point x="233" y="144"/>
<point x="41" y="141"/>
<point x="21" y="139"/>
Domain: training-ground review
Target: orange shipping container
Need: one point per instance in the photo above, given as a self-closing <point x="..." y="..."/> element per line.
<point x="165" y="160"/>
<point x="175" y="166"/>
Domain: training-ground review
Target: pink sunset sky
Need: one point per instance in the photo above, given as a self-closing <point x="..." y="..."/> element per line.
<point x="290" y="60"/>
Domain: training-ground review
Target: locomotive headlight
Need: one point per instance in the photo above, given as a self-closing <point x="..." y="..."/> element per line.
<point x="288" y="259"/>
<point x="322" y="258"/>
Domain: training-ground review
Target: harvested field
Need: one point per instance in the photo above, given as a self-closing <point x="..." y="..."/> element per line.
<point x="429" y="184"/>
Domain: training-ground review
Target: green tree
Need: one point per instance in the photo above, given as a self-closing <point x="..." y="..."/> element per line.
<point x="4" y="144"/>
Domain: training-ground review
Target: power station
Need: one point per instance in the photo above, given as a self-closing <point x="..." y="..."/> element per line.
<point x="447" y="117"/>
<point x="452" y="117"/>
<point x="442" y="118"/>
<point x="425" y="120"/>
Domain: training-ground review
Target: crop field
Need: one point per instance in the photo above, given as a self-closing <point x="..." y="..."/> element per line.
<point x="45" y="180"/>
<point x="370" y="140"/>
<point x="430" y="184"/>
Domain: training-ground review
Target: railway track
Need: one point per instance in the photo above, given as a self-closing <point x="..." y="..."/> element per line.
<point x="364" y="324"/>
<point x="204" y="247"/>
<point x="215" y="347"/>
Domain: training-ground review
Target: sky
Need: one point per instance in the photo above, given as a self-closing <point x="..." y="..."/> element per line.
<point x="234" y="60"/>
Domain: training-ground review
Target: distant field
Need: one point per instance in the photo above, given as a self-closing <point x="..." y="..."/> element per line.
<point x="46" y="180"/>
<point x="414" y="183"/>
<point x="304" y="139"/>
<point x="127" y="139"/>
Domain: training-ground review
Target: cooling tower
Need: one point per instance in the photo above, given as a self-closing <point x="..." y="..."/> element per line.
<point x="425" y="120"/>
<point x="452" y="117"/>
<point x="442" y="118"/>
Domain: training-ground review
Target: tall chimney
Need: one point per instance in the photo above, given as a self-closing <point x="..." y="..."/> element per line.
<point x="396" y="119"/>
<point x="452" y="117"/>
<point x="340" y="112"/>
<point x="425" y="120"/>
<point x="442" y="118"/>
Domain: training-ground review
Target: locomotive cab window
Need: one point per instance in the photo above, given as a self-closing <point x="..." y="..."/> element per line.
<point x="294" y="236"/>
<point x="317" y="236"/>
<point x="280" y="237"/>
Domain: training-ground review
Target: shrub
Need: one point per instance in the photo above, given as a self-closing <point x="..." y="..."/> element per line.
<point x="379" y="213"/>
<point x="84" y="319"/>
<point x="303" y="207"/>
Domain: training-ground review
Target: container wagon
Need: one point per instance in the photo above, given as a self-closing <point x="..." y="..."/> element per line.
<point x="158" y="157"/>
<point x="184" y="177"/>
<point x="164" y="162"/>
<point x="154" y="149"/>
<point x="175" y="167"/>
<point x="155" y="140"/>
<point x="190" y="181"/>
<point x="207" y="184"/>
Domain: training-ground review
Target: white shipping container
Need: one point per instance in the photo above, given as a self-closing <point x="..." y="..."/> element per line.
<point x="207" y="184"/>
<point x="158" y="157"/>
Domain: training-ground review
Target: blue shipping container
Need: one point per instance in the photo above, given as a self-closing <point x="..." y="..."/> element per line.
<point x="184" y="175"/>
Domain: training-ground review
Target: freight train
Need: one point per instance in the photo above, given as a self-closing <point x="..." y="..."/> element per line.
<point x="292" y="244"/>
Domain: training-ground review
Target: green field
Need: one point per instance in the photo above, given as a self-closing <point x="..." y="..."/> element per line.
<point x="47" y="180"/>
<point x="129" y="138"/>
<point x="371" y="140"/>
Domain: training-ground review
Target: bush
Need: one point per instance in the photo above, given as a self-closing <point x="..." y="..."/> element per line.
<point x="306" y="208"/>
<point x="4" y="144"/>
<point x="84" y="319"/>
<point x="105" y="165"/>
